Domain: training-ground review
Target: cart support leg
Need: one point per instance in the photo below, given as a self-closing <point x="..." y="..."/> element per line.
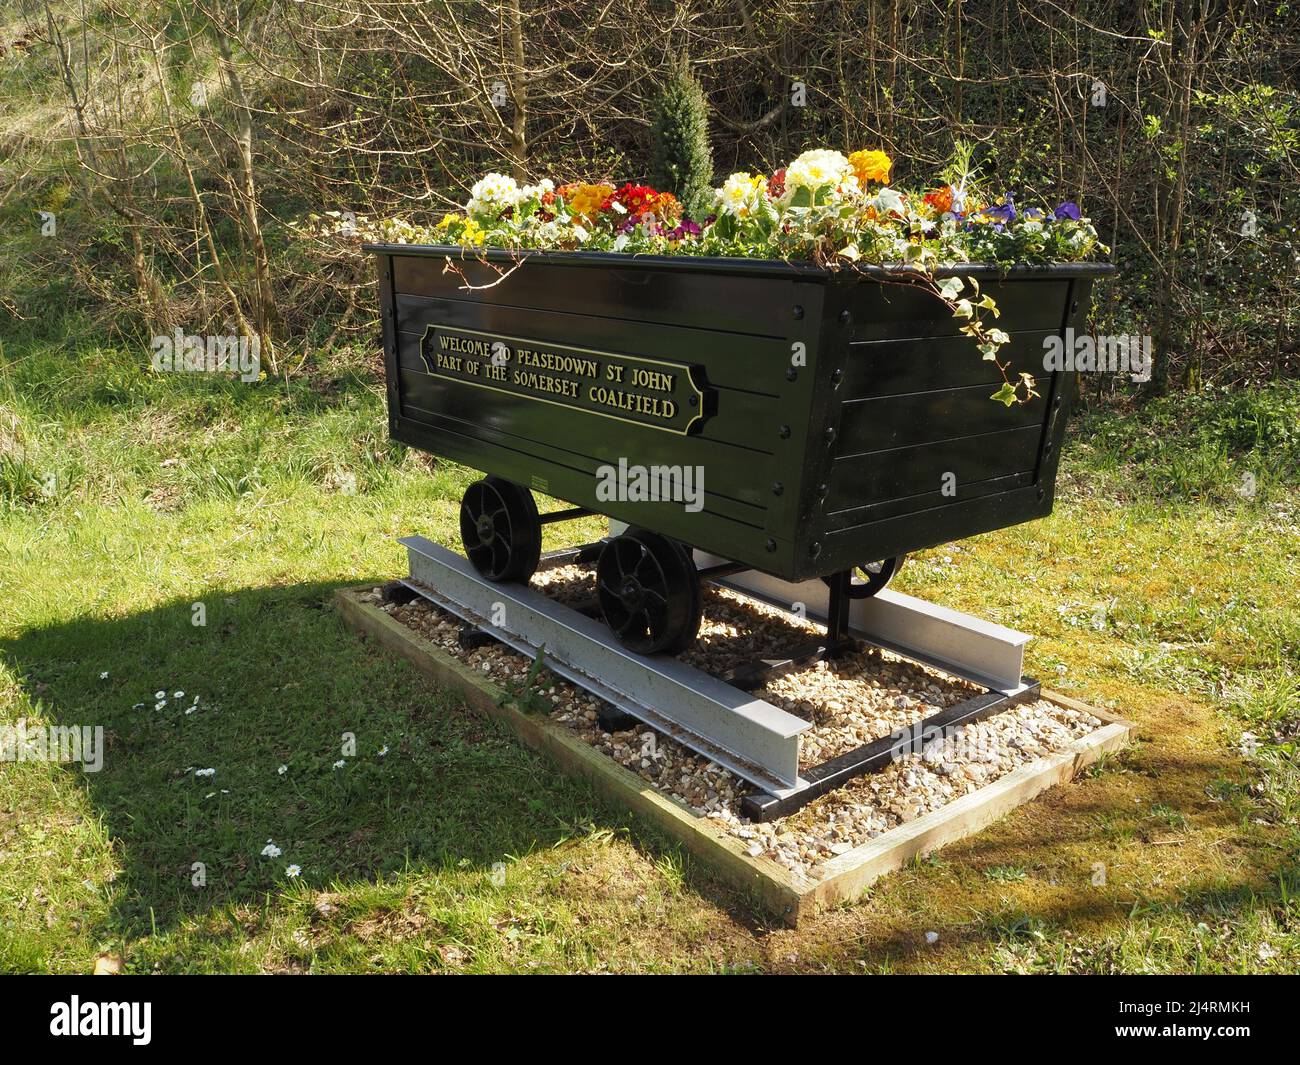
<point x="838" y="642"/>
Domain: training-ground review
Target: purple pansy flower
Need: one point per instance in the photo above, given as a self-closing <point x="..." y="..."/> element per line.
<point x="1003" y="213"/>
<point x="1069" y="210"/>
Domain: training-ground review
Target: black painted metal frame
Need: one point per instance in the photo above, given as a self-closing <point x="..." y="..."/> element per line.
<point x="881" y="753"/>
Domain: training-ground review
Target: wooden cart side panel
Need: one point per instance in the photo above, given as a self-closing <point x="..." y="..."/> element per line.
<point x="388" y="332"/>
<point x="745" y="460"/>
<point x="528" y="428"/>
<point x="720" y="529"/>
<point x="1060" y="400"/>
<point x="925" y="456"/>
<point x="750" y="370"/>
<point x="716" y="302"/>
<point x="889" y="311"/>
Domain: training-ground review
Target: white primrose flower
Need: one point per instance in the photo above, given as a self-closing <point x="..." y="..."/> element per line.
<point x="491" y="195"/>
<point x="741" y="194"/>
<point x="529" y="192"/>
<point x="340" y="763"/>
<point x="271" y="850"/>
<point x="816" y="169"/>
<point x="282" y="770"/>
<point x="205" y="772"/>
<point x="104" y="675"/>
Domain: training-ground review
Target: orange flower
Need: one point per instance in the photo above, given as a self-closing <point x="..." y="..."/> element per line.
<point x="586" y="201"/>
<point x="871" y="166"/>
<point x="940" y="199"/>
<point x="667" y="208"/>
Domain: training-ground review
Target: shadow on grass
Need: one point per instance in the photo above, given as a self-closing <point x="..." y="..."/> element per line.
<point x="280" y="682"/>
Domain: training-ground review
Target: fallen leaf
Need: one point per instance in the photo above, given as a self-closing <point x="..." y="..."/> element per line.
<point x="108" y="965"/>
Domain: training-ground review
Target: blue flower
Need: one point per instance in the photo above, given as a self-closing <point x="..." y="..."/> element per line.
<point x="1003" y="212"/>
<point x="1069" y="210"/>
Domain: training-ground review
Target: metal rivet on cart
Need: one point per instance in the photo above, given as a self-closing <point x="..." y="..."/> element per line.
<point x="1041" y="493"/>
<point x="837" y="376"/>
<point x="784" y="432"/>
<point x="823" y="490"/>
<point x="845" y="318"/>
<point x="791" y="374"/>
<point x="771" y="544"/>
<point x="829" y="434"/>
<point x="798" y="311"/>
<point x="815" y="548"/>
<point x="777" y="488"/>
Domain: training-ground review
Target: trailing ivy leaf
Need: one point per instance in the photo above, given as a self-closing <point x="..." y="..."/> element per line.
<point x="1006" y="394"/>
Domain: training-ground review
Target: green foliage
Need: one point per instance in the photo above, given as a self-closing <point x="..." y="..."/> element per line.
<point x="681" y="160"/>
<point x="1221" y="444"/>
<point x="525" y="693"/>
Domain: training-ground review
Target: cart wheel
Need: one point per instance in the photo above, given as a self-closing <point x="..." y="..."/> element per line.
<point x="500" y="529"/>
<point x="870" y="578"/>
<point x="649" y="592"/>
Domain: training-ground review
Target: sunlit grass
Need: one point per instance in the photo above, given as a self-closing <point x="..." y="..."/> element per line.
<point x="1172" y="600"/>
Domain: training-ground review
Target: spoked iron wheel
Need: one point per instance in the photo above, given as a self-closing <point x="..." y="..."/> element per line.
<point x="649" y="592"/>
<point x="500" y="529"/>
<point x="872" y="577"/>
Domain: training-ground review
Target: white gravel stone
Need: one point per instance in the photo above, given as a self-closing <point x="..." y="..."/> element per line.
<point x="855" y="699"/>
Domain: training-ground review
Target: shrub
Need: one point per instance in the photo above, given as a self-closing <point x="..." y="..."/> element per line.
<point x="681" y="159"/>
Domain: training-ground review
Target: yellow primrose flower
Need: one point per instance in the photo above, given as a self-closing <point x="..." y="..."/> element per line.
<point x="587" y="200"/>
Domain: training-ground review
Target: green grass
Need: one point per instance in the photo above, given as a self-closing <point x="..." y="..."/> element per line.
<point x="127" y="497"/>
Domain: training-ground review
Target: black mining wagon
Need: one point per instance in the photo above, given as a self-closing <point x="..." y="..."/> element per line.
<point x="839" y="418"/>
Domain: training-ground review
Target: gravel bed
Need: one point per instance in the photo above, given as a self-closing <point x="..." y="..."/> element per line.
<point x="851" y="701"/>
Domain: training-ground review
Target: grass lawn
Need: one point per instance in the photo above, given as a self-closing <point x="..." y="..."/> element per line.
<point x="133" y="506"/>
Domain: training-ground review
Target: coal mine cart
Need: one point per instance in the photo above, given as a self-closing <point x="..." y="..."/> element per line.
<point x="826" y="422"/>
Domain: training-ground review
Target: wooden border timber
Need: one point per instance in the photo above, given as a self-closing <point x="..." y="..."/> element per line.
<point x="789" y="896"/>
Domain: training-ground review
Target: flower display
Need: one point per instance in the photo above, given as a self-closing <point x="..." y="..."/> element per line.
<point x="825" y="207"/>
<point x="939" y="200"/>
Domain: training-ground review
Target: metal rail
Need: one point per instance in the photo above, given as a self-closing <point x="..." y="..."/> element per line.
<point x="755" y="740"/>
<point x="979" y="651"/>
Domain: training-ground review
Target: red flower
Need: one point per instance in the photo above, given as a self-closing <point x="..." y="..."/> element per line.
<point x="776" y="185"/>
<point x="637" y="200"/>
